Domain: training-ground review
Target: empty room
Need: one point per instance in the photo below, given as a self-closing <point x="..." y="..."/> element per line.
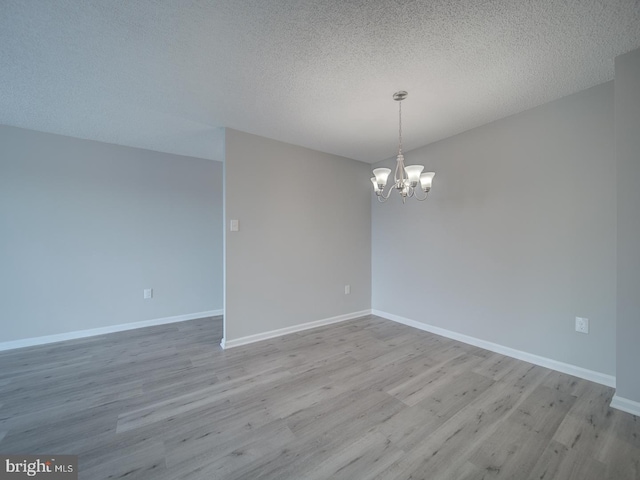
<point x="320" y="239"/>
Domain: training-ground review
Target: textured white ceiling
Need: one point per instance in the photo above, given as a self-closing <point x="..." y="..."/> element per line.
<point x="164" y="74"/>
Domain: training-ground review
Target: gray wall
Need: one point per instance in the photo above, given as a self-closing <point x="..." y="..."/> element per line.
<point x="305" y="232"/>
<point x="86" y="226"/>
<point x="518" y="236"/>
<point x="627" y="114"/>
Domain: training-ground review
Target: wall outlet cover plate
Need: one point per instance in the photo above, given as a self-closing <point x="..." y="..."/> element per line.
<point x="582" y="325"/>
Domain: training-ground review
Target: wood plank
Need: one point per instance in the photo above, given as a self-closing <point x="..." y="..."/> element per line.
<point x="361" y="399"/>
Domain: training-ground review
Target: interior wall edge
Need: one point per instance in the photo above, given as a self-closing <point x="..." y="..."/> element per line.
<point x="237" y="342"/>
<point x="625" y="405"/>
<point x="60" y="337"/>
<point x="576" y="371"/>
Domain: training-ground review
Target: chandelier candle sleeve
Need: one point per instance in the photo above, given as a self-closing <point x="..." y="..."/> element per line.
<point x="406" y="179"/>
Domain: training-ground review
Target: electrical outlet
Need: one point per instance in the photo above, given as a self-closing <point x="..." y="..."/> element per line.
<point x="582" y="325"/>
<point x="148" y="293"/>
<point x="347" y="289"/>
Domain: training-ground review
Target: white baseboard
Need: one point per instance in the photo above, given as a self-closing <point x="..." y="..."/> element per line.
<point x="295" y="328"/>
<point x="626" y="405"/>
<point x="60" y="337"/>
<point x="597" y="377"/>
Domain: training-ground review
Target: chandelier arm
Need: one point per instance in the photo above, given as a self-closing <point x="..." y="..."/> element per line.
<point x="383" y="195"/>
<point x="422" y="199"/>
<point x="398" y="175"/>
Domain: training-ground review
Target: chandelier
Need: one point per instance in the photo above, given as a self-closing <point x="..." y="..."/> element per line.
<point x="406" y="179"/>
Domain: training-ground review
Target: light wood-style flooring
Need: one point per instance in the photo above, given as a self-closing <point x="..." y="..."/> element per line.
<point x="361" y="399"/>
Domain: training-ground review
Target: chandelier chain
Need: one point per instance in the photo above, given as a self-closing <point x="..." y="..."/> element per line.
<point x="400" y="127"/>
